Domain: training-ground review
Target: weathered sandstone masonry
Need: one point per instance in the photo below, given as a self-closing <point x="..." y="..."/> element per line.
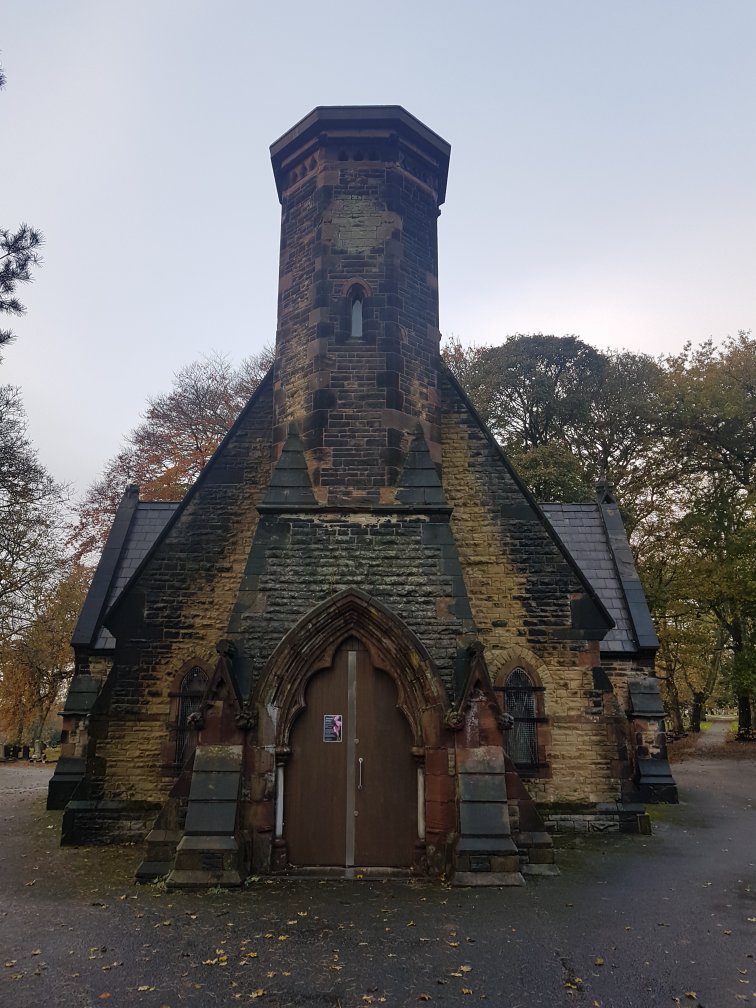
<point x="358" y="645"/>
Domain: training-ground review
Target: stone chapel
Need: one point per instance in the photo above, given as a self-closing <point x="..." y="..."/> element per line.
<point x="359" y="646"/>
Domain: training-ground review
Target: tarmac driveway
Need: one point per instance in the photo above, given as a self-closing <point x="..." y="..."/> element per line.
<point x="631" y="921"/>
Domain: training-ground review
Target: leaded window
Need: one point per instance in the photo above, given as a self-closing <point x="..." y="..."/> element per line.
<point x="520" y="701"/>
<point x="193" y="687"/>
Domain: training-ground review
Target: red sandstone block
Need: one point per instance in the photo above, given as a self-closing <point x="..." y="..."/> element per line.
<point x="433" y="730"/>
<point x="440" y="817"/>
<point x="439" y="788"/>
<point x="437" y="762"/>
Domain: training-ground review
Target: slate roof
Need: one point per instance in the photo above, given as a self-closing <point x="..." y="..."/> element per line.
<point x="150" y="518"/>
<point x="595" y="536"/>
<point x="592" y="533"/>
<point x="136" y="527"/>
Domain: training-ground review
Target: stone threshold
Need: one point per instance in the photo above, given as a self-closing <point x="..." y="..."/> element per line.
<point x="349" y="874"/>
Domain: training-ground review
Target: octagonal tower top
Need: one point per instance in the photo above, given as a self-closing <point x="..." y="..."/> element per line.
<point x="362" y="133"/>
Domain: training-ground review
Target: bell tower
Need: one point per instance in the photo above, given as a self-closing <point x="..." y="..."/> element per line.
<point x="357" y="341"/>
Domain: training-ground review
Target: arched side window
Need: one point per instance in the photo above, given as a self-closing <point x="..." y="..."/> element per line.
<point x="192" y="689"/>
<point x="524" y="701"/>
<point x="356" y="322"/>
<point x="357" y="297"/>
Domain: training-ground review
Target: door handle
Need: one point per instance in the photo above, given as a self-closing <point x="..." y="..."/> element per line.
<point x="359" y="779"/>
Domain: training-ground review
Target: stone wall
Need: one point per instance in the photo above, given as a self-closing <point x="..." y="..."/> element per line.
<point x="495" y="562"/>
<point x="178" y="609"/>
<point x="367" y="226"/>
<point x="529" y="607"/>
<point x="300" y="560"/>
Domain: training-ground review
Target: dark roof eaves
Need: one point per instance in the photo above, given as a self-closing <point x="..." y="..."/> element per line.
<point x="92" y="611"/>
<point x="645" y="636"/>
<point x="189" y="496"/>
<point x="572" y="563"/>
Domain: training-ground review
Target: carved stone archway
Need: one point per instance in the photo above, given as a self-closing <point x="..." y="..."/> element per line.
<point x="311" y="647"/>
<point x="311" y="644"/>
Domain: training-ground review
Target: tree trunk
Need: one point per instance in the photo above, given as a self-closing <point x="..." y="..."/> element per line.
<point x="673" y="705"/>
<point x="696" y="712"/>
<point x="745" y="723"/>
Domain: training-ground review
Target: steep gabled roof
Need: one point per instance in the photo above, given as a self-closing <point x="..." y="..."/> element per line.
<point x="596" y="538"/>
<point x="591" y="536"/>
<point x="90" y="617"/>
<point x="136" y="527"/>
<point x="150" y="518"/>
<point x="181" y="506"/>
<point x="530" y="503"/>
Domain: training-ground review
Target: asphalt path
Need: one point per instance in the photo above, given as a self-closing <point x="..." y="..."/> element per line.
<point x="631" y="921"/>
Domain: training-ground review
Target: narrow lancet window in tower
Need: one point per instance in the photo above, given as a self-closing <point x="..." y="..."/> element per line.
<point x="355" y="332"/>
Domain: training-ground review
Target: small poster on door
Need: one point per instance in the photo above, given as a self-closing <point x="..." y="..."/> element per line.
<point x="332" y="727"/>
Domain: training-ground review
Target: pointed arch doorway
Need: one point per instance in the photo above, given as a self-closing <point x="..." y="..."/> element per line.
<point x="351" y="795"/>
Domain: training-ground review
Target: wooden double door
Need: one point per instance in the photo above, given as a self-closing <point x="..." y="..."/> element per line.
<point x="350" y="795"/>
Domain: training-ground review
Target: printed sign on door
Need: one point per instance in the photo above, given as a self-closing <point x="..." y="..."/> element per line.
<point x="332" y="727"/>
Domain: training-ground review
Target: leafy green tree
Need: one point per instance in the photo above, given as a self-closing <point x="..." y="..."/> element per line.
<point x="677" y="438"/>
<point x="721" y="531"/>
<point x="569" y="415"/>
<point x="18" y="253"/>
<point x="534" y="390"/>
<point x="693" y="657"/>
<point x="32" y="520"/>
<point x="33" y="512"/>
<point x="709" y="406"/>
<point x="709" y="414"/>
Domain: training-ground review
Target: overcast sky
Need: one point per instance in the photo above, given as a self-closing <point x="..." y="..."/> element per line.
<point x="601" y="179"/>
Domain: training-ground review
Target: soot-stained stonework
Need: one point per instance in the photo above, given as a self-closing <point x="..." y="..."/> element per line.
<point x="359" y="606"/>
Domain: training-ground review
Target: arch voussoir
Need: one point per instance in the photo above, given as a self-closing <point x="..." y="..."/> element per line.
<point x="311" y="644"/>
